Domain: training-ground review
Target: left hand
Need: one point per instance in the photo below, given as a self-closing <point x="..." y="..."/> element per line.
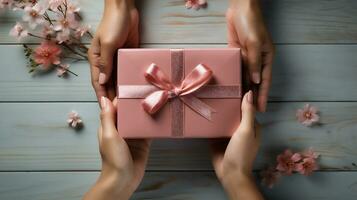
<point x="246" y="29"/>
<point x="123" y="161"/>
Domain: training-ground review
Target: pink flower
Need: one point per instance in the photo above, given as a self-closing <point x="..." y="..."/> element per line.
<point x="47" y="53"/>
<point x="47" y="31"/>
<point x="307" y="166"/>
<point x="62" y="70"/>
<point x="54" y="4"/>
<point x="195" y="4"/>
<point x="81" y="31"/>
<point x="310" y="154"/>
<point x="6" y="3"/>
<point x="74" y="120"/>
<point x="64" y="26"/>
<point x="62" y="37"/>
<point x="269" y="177"/>
<point x="72" y="7"/>
<point x="307" y="115"/>
<point x="287" y="162"/>
<point x="33" y="15"/>
<point x="18" y="31"/>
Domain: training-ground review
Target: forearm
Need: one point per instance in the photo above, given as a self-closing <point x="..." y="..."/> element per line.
<point x="241" y="187"/>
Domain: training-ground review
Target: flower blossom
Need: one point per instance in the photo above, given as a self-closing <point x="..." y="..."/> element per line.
<point x="33" y="15"/>
<point x="308" y="115"/>
<point x="6" y="3"/>
<point x="18" y="31"/>
<point x="64" y="27"/>
<point x="195" y="4"/>
<point x="74" y="120"/>
<point x="287" y="162"/>
<point x="307" y="166"/>
<point x="81" y="31"/>
<point x="54" y="4"/>
<point x="269" y="177"/>
<point x="72" y="7"/>
<point x="62" y="70"/>
<point x="47" y="53"/>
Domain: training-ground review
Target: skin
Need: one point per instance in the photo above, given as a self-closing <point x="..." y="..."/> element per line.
<point x="233" y="162"/>
<point x="123" y="161"/>
<point x="246" y="29"/>
<point x="118" y="29"/>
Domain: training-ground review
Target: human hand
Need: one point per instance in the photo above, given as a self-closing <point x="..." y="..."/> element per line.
<point x="246" y="29"/>
<point x="123" y="162"/>
<point x="233" y="163"/>
<point x="118" y="28"/>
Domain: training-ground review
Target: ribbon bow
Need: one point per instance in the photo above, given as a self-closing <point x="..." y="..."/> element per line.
<point x="197" y="78"/>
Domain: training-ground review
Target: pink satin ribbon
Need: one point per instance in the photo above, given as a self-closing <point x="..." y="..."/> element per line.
<point x="198" y="77"/>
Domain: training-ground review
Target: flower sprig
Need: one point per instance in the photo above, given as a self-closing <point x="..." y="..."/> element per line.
<point x="304" y="162"/>
<point x="57" y="23"/>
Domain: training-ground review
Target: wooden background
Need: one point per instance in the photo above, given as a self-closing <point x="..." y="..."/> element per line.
<point x="316" y="62"/>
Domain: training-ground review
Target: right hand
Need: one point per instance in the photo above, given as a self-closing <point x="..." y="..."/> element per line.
<point x="118" y="28"/>
<point x="233" y="163"/>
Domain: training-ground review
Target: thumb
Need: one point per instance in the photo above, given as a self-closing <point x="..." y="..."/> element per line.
<point x="107" y="117"/>
<point x="106" y="59"/>
<point x="248" y="112"/>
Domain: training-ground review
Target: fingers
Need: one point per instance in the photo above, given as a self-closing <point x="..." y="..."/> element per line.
<point x="248" y="113"/>
<point x="233" y="40"/>
<point x="254" y="58"/>
<point x="94" y="57"/>
<point x="107" y="51"/>
<point x="133" y="37"/>
<point x="266" y="81"/>
<point x="108" y="119"/>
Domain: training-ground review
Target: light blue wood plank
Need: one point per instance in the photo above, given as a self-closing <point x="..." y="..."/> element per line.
<point x="290" y="21"/>
<point x="300" y="73"/>
<point x="35" y="136"/>
<point x="174" y="186"/>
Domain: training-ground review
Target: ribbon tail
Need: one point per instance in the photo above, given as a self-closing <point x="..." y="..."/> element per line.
<point x="155" y="101"/>
<point x="198" y="106"/>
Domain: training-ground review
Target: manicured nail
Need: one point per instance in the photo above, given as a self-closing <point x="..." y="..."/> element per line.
<point x="250" y="97"/>
<point x="102" y="78"/>
<point x="104" y="103"/>
<point x="256" y="77"/>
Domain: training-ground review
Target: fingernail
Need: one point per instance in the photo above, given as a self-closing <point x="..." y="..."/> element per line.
<point x="250" y="97"/>
<point x="103" y="103"/>
<point x="256" y="77"/>
<point x="102" y="78"/>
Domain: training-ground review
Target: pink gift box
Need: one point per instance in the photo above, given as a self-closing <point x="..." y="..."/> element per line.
<point x="179" y="93"/>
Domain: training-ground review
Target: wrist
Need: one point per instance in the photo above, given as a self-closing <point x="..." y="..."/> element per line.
<point x="120" y="4"/>
<point x="114" y="185"/>
<point x="243" y="3"/>
<point x="235" y="182"/>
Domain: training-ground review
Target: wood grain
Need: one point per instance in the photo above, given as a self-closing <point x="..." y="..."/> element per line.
<point x="35" y="136"/>
<point x="300" y="73"/>
<point x="290" y="21"/>
<point x="174" y="186"/>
